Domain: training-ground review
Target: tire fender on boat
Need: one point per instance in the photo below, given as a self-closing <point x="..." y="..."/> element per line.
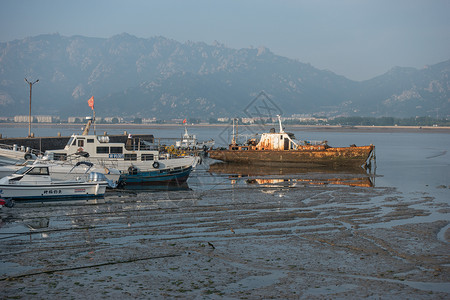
<point x="132" y="170"/>
<point x="156" y="165"/>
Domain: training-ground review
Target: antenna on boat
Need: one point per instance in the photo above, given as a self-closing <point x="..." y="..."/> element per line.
<point x="233" y="141"/>
<point x="88" y="126"/>
<point x="279" y="121"/>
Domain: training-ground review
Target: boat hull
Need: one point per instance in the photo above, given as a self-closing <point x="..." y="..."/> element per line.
<point x="329" y="157"/>
<point x="66" y="172"/>
<point x="52" y="191"/>
<point x="157" y="178"/>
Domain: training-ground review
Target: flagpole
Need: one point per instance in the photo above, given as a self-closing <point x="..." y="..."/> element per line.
<point x="91" y="105"/>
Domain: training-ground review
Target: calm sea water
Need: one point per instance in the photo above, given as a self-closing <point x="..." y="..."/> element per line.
<point x="413" y="162"/>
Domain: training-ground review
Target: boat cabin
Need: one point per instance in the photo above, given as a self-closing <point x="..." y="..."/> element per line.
<point x="267" y="141"/>
<point x="100" y="147"/>
<point x="30" y="175"/>
<point x="33" y="170"/>
<point x="277" y="141"/>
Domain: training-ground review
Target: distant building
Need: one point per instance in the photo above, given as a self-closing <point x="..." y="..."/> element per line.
<point x="23" y="119"/>
<point x="148" y="120"/>
<point x="248" y="120"/>
<point x="76" y="119"/>
<point x="39" y="119"/>
<point x="45" y="119"/>
<point x="113" y="119"/>
<point x="306" y="119"/>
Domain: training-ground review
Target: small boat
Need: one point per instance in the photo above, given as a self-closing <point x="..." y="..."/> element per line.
<point x="64" y="170"/>
<point x="138" y="161"/>
<point x="167" y="177"/>
<point x="189" y="141"/>
<point x="35" y="182"/>
<point x="280" y="148"/>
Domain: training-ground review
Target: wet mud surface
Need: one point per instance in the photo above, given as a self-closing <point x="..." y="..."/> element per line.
<point x="230" y="238"/>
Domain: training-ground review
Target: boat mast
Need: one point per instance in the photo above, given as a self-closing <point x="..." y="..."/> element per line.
<point x="279" y="121"/>
<point x="237" y="123"/>
<point x="235" y="133"/>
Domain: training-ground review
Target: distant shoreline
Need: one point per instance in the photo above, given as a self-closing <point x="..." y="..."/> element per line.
<point x="337" y="128"/>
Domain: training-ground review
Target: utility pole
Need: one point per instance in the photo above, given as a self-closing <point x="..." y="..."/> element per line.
<point x="29" y="116"/>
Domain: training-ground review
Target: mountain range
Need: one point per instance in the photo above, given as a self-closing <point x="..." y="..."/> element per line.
<point x="162" y="78"/>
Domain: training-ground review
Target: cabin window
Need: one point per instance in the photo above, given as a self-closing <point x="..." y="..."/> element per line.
<point x="146" y="157"/>
<point x="71" y="141"/>
<point x="90" y="141"/>
<point x="38" y="171"/>
<point x="281" y="137"/>
<point x="234" y="148"/>
<point x="102" y="150"/>
<point x="80" y="143"/>
<point x="116" y="150"/>
<point x="22" y="170"/>
<point x="244" y="148"/>
<point x="130" y="157"/>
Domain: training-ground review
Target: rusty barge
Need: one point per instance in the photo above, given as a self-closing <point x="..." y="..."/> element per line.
<point x="281" y="148"/>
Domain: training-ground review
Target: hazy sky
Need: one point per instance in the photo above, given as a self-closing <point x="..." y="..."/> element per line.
<point x="359" y="39"/>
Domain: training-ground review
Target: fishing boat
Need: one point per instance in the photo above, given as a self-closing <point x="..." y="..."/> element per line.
<point x="139" y="162"/>
<point x="189" y="141"/>
<point x="281" y="148"/>
<point x="35" y="182"/>
<point x="63" y="170"/>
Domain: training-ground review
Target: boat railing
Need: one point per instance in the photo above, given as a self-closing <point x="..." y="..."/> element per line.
<point x="247" y="138"/>
<point x="20" y="149"/>
<point x="312" y="143"/>
<point x="138" y="144"/>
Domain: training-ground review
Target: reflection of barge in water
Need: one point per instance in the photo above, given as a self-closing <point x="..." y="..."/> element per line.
<point x="276" y="148"/>
<point x="292" y="175"/>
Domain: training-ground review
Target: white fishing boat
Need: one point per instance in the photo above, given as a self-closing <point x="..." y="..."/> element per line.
<point x="139" y="162"/>
<point x="35" y="182"/>
<point x="64" y="170"/>
<point x="189" y="141"/>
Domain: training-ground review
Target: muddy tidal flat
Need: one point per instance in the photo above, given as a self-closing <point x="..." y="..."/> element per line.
<point x="243" y="239"/>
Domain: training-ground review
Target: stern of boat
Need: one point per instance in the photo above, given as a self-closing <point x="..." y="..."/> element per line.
<point x="371" y="161"/>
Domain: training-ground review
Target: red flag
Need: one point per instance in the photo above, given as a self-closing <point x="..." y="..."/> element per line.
<point x="184" y="121"/>
<point x="91" y="102"/>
